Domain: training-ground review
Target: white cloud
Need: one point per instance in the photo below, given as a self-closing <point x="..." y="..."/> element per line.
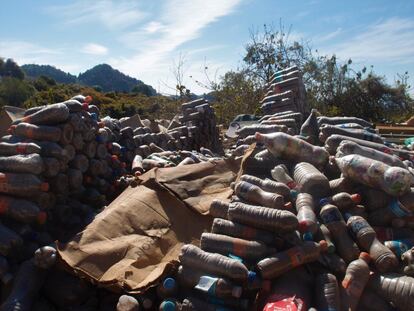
<point x="114" y="14"/>
<point x="94" y="49"/>
<point x="179" y="21"/>
<point x="390" y="41"/>
<point x="329" y="36"/>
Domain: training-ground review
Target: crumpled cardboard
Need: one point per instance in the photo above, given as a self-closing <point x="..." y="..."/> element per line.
<point x="136" y="240"/>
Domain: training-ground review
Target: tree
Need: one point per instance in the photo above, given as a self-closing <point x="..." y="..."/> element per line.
<point x="15" y="92"/>
<point x="10" y="69"/>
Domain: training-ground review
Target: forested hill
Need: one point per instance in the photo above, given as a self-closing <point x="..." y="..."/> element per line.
<point x="102" y="76"/>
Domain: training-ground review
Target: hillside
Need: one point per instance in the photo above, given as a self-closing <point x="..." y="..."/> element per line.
<point x="101" y="76"/>
<point x="35" y="71"/>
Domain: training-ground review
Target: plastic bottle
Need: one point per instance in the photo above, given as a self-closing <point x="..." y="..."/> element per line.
<point x="389" y="234"/>
<point x="395" y="181"/>
<point x="127" y="303"/>
<point x="229" y="228"/>
<point x="282" y="262"/>
<point x="349" y="147"/>
<point x="137" y="168"/>
<point x="280" y="174"/>
<point x="333" y="263"/>
<point x="262" y="217"/>
<point x="167" y="288"/>
<point x="21" y="210"/>
<point x="395" y="288"/>
<point x="305" y="214"/>
<point x="343" y="200"/>
<point x="322" y="233"/>
<point x="263" y="129"/>
<point x="328" y="130"/>
<point x="8" y="149"/>
<point x="342" y="120"/>
<point x="267" y="185"/>
<point x="218" y="287"/>
<point x="333" y="142"/>
<point x="26" y="285"/>
<point x="50" y="114"/>
<point x="186" y="161"/>
<point x="366" y="237"/>
<point x="45" y="257"/>
<point x="254" y="194"/>
<point x="310" y="180"/>
<point x="22" y="163"/>
<point x="341" y="185"/>
<point x="21" y="184"/>
<point x="214" y="263"/>
<point x="75" y="178"/>
<point x="51" y="149"/>
<point x="398" y="247"/>
<point x="310" y="127"/>
<point x="80" y="162"/>
<point x="375" y="199"/>
<point x="333" y="220"/>
<point x="226" y="245"/>
<point x="41" y="132"/>
<point x="356" y="278"/>
<point x="285" y="146"/>
<point x="327" y="292"/>
<point x="219" y="209"/>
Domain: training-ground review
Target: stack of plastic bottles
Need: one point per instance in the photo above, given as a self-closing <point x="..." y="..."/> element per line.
<point x="285" y="91"/>
<point x="311" y="228"/>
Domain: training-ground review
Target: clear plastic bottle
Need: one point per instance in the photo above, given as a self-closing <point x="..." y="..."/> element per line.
<point x="366" y="237"/>
<point x="22" y="163"/>
<point x="45" y="257"/>
<point x="219" y="209"/>
<point x="282" y="262"/>
<point x="356" y="278"/>
<point x="41" y="132"/>
<point x="137" y="168"/>
<point x="310" y="180"/>
<point x="218" y="287"/>
<point x="268" y="185"/>
<point x="49" y="115"/>
<point x="329" y="130"/>
<point x="225" y="245"/>
<point x="214" y="263"/>
<point x="9" y="149"/>
<point x="255" y="195"/>
<point x="286" y="146"/>
<point x="393" y="180"/>
<point x="333" y="220"/>
<point x="127" y="303"/>
<point x="262" y="217"/>
<point x="230" y="228"/>
<point x="305" y="214"/>
<point x="310" y="127"/>
<point x="186" y="161"/>
<point x="395" y="288"/>
<point x="327" y="292"/>
<point x="333" y="263"/>
<point x="343" y="200"/>
<point x="280" y="174"/>
<point x="370" y="301"/>
<point x="322" y="233"/>
<point x="21" y="184"/>
<point x="341" y="185"/>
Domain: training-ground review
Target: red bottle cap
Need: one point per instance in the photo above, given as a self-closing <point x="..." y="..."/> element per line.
<point x="114" y="157"/>
<point x="88" y="99"/>
<point x="356" y="198"/>
<point x="44" y="186"/>
<point x="303" y="226"/>
<point x="323" y="245"/>
<point x="85" y="106"/>
<point x="365" y="256"/>
<point x="41" y="218"/>
<point x="137" y="173"/>
<point x="11" y="129"/>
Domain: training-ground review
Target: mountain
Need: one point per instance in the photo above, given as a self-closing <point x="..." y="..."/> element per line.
<point x="35" y="71"/>
<point x="101" y="76"/>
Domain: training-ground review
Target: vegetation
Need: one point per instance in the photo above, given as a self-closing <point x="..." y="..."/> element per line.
<point x="35" y="71"/>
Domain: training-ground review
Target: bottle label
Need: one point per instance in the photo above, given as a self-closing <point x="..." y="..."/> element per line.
<point x="296" y="256"/>
<point x="396" y="209"/>
<point x="280" y="302"/>
<point x="358" y="225"/>
<point x="207" y="284"/>
<point x="331" y="215"/>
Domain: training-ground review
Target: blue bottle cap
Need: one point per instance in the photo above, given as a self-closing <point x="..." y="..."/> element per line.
<point x="324" y="201"/>
<point x="293" y="194"/>
<point x="308" y="236"/>
<point x="167" y="305"/>
<point x="94" y="116"/>
<point x="169" y="283"/>
<point x="251" y="276"/>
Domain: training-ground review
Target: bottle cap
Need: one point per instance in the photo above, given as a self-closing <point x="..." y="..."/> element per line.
<point x="94" y="116"/>
<point x="167" y="305"/>
<point x="324" y="201"/>
<point x="114" y="157"/>
<point x="291" y="185"/>
<point x="346" y="281"/>
<point x="42" y="217"/>
<point x="88" y="99"/>
<point x="169" y="283"/>
<point x="365" y="256"/>
<point x="11" y="129"/>
<point x="236" y="291"/>
<point x="356" y="198"/>
<point x="251" y="276"/>
<point x="288" y="205"/>
<point x="307" y="236"/>
<point x="44" y="186"/>
<point x="323" y="245"/>
<point x="293" y="194"/>
<point x="85" y="106"/>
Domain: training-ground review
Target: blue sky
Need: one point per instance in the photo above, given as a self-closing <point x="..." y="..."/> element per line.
<point x="145" y="38"/>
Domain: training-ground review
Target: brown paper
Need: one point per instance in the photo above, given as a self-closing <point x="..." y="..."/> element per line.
<point x="136" y="240"/>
